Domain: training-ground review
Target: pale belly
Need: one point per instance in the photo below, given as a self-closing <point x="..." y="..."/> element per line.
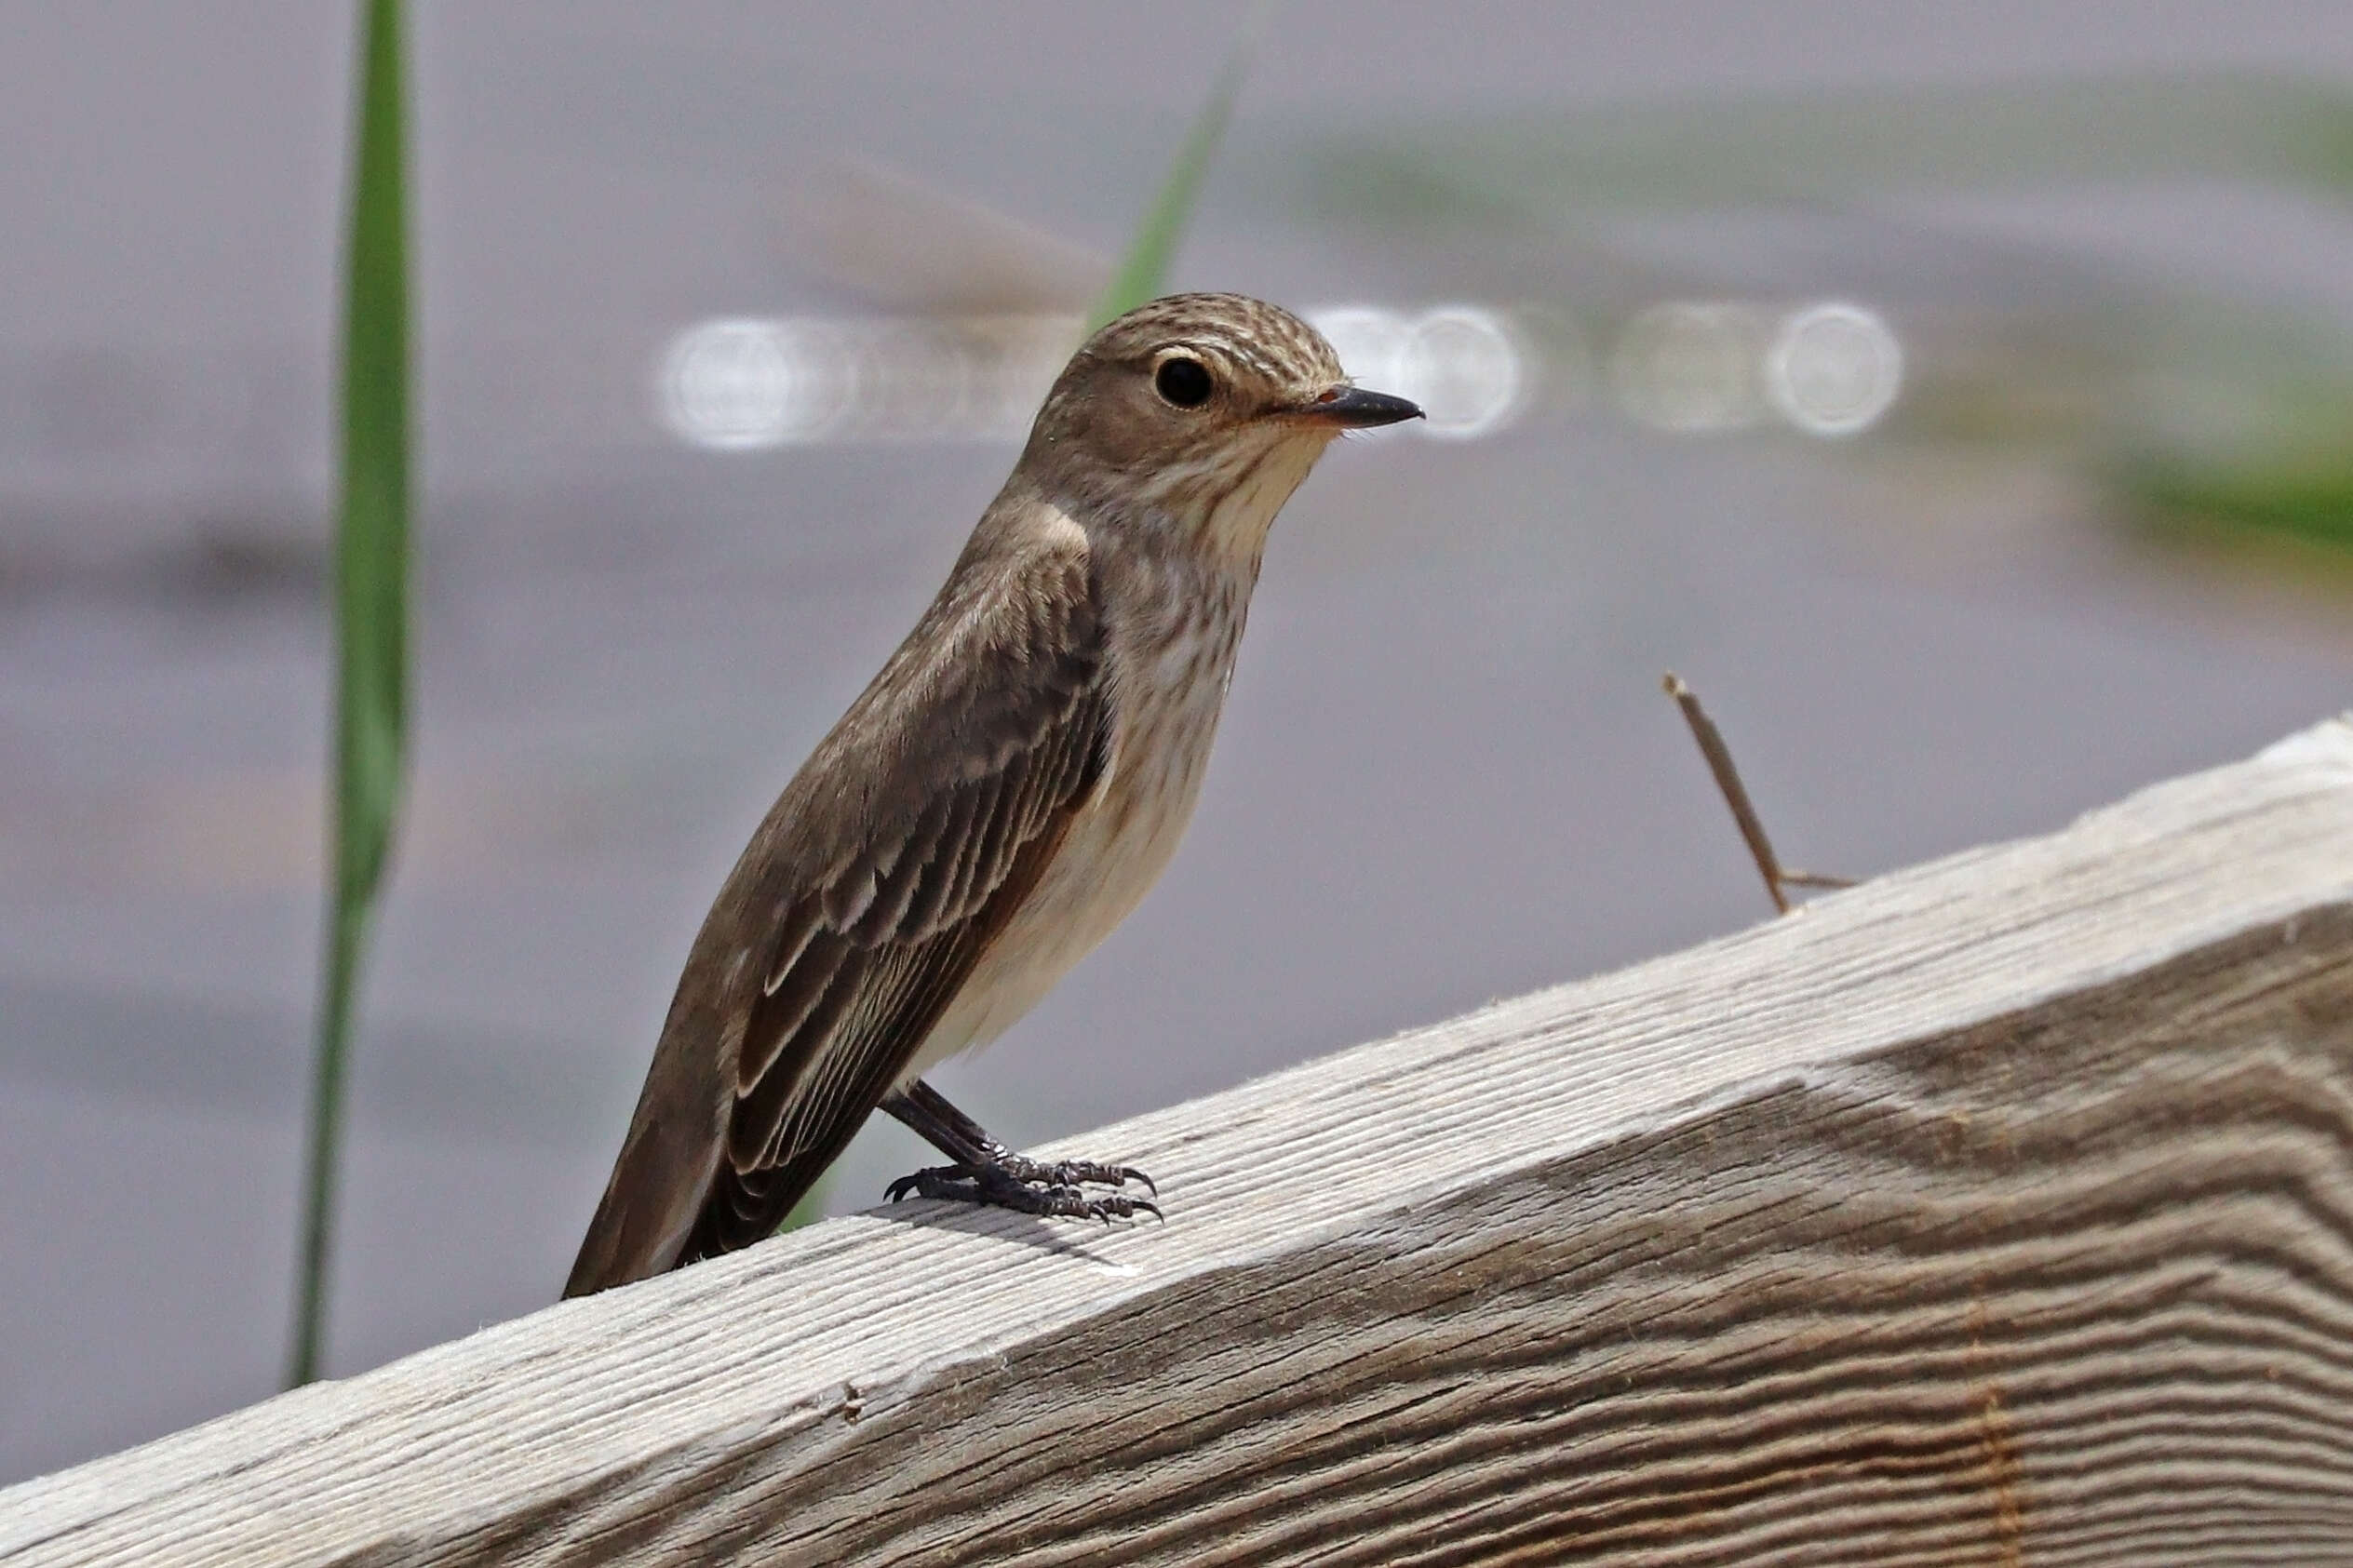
<point x="1115" y="852"/>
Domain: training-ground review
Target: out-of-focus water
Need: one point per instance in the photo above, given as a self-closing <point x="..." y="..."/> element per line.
<point x="1446" y="771"/>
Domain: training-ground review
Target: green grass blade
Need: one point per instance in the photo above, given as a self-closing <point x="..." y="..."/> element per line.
<point x="371" y="623"/>
<point x="1145" y="263"/>
<point x="2302" y="502"/>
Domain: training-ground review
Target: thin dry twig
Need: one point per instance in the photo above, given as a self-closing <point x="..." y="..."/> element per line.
<point x="1727" y="779"/>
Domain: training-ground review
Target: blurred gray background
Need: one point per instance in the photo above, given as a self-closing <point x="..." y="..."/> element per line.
<point x="1446" y="773"/>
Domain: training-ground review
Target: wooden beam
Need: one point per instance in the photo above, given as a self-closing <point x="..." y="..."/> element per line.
<point x="1998" y="1210"/>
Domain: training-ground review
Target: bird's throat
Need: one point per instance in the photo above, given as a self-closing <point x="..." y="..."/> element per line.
<point x="1234" y="511"/>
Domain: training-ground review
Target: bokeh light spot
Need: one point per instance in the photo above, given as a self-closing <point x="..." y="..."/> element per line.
<point x="1834" y="370"/>
<point x="741" y="384"/>
<point x="1691" y="366"/>
<point x="1463" y="364"/>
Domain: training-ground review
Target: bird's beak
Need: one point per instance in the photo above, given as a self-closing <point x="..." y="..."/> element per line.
<point x="1352" y="408"/>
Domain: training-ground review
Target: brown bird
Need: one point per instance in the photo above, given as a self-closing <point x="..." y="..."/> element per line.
<point x="994" y="803"/>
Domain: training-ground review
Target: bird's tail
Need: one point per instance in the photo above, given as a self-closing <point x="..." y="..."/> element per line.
<point x="648" y="1210"/>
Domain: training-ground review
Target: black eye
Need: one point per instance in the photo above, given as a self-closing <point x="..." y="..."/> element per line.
<point x="1183" y="382"/>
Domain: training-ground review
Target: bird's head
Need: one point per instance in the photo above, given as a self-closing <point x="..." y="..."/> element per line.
<point x="1197" y="411"/>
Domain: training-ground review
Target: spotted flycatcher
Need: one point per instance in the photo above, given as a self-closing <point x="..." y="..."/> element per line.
<point x="994" y="803"/>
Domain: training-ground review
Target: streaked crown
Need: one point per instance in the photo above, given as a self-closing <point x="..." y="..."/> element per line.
<point x="1257" y="346"/>
<point x="1178" y="400"/>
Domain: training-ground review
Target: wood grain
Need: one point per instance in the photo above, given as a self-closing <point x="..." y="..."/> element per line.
<point x="1996" y="1212"/>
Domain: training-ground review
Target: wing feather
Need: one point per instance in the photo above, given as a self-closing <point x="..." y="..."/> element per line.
<point x="928" y="901"/>
<point x="785" y="1006"/>
<point x="795" y="924"/>
<point x="895" y="886"/>
<point x="884" y="872"/>
<point x="756" y="1124"/>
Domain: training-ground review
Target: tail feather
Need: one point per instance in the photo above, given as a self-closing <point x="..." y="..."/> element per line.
<point x="647" y="1213"/>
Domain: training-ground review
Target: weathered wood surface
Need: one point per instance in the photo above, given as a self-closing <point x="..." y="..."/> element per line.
<point x="1998" y="1211"/>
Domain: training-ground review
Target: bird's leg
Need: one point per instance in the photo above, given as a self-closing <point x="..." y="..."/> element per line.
<point x="986" y="1172"/>
<point x="961" y="1138"/>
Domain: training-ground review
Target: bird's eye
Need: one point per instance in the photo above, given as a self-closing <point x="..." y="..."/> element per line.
<point x="1182" y="381"/>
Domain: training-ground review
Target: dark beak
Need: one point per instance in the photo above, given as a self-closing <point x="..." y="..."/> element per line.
<point x="1352" y="408"/>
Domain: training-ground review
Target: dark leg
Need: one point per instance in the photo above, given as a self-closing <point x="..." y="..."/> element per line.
<point x="986" y="1172"/>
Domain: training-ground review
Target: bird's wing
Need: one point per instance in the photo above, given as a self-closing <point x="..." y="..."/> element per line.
<point x="883" y="873"/>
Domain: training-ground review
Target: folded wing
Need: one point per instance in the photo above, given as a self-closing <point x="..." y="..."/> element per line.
<point x="882" y="875"/>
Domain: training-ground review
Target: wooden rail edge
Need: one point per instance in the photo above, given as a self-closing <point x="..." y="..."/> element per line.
<point x="1998" y="1210"/>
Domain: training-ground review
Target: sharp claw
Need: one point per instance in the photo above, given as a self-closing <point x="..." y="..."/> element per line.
<point x="931" y="1182"/>
<point x="1128" y="1172"/>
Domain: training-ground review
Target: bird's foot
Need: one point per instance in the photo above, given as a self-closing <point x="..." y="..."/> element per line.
<point x="1072" y="1172"/>
<point x="1031" y="1186"/>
